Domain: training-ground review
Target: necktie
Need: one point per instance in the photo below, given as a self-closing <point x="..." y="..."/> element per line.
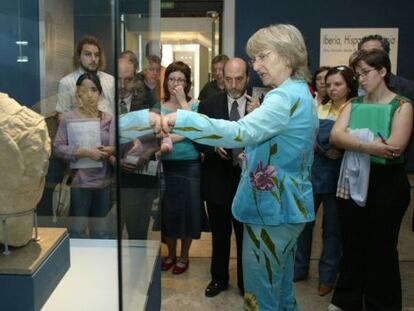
<point x="234" y="111"/>
<point x="123" y="108"/>
<point x="234" y="116"/>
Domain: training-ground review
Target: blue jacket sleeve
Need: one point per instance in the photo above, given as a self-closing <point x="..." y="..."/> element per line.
<point x="261" y="124"/>
<point x="133" y="125"/>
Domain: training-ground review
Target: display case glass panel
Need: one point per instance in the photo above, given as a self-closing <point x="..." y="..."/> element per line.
<point x="61" y="58"/>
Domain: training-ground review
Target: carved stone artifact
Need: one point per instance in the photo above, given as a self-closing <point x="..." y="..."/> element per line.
<point x="24" y="159"/>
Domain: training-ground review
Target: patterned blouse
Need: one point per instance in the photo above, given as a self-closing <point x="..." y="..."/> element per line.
<point x="275" y="186"/>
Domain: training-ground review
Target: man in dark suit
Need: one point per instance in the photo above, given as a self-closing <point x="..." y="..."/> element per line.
<point x="221" y="175"/>
<point x="132" y="90"/>
<point x="138" y="191"/>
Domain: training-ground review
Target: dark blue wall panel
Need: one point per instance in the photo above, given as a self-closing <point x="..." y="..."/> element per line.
<point x="96" y="17"/>
<point x="310" y="16"/>
<point x="133" y="6"/>
<point x="19" y="80"/>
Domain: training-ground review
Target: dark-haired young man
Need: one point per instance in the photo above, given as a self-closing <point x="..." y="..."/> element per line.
<point x="88" y="57"/>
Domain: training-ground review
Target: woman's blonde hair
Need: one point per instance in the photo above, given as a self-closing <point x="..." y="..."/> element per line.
<point x="288" y="42"/>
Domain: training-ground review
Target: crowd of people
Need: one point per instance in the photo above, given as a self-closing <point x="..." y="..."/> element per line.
<point x="335" y="139"/>
<point x="277" y="195"/>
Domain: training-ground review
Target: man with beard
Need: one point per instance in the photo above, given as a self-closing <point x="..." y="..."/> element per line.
<point x="221" y="176"/>
<point x="88" y="57"/>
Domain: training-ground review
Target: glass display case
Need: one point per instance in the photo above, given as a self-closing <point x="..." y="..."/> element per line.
<point x="70" y="61"/>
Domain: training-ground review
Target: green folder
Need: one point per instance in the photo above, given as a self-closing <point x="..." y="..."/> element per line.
<point x="378" y="118"/>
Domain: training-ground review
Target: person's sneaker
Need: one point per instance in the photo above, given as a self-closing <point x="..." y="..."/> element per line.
<point x="332" y="307"/>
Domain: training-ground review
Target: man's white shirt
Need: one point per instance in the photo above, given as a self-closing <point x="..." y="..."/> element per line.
<point x="128" y="101"/>
<point x="67" y="88"/>
<point x="241" y="104"/>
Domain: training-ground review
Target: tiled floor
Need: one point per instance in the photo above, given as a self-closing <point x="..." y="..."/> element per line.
<point x="186" y="292"/>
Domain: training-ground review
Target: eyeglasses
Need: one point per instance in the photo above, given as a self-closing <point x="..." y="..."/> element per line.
<point x="363" y="74"/>
<point x="259" y="58"/>
<point x="178" y="81"/>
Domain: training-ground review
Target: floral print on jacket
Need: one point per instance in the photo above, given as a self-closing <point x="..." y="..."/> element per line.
<point x="275" y="186"/>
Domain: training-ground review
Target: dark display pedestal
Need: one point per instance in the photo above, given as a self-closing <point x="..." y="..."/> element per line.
<point x="30" y="273"/>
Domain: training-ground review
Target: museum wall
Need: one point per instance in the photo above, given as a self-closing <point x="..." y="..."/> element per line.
<point x="19" y="22"/>
<point x="310" y="16"/>
<point x="95" y="17"/>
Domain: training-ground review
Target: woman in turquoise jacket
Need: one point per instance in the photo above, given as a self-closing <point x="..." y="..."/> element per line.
<point x="274" y="198"/>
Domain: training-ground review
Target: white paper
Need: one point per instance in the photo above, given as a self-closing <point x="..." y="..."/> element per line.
<point x="149" y="169"/>
<point x="84" y="133"/>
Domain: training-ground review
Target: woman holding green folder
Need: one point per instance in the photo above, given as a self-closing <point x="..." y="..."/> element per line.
<point x="369" y="271"/>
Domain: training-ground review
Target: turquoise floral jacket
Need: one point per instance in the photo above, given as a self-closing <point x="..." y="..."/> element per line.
<point x="275" y="185"/>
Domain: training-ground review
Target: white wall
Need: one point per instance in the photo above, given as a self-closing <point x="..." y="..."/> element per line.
<point x="229" y="32"/>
